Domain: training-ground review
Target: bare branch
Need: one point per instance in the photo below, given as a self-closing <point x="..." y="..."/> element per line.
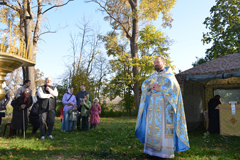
<point x="39" y="6"/>
<point x="120" y="23"/>
<point x="19" y="3"/>
<point x="55" y="6"/>
<point x="51" y="31"/>
<point x="10" y="5"/>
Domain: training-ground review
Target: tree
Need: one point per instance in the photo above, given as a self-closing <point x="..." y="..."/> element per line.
<point x="14" y="80"/>
<point x="89" y="67"/>
<point x="199" y="61"/>
<point x="223" y="24"/>
<point x="30" y="24"/>
<point x="101" y="71"/>
<point x="152" y="43"/>
<point x="9" y="109"/>
<point x="125" y="15"/>
<point x="39" y="77"/>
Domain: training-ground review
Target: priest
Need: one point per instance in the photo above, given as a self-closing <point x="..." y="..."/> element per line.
<point x="161" y="123"/>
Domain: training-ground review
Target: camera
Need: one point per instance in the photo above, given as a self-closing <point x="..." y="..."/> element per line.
<point x="82" y="100"/>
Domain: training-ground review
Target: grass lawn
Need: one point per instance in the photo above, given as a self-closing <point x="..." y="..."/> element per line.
<point x="113" y="139"/>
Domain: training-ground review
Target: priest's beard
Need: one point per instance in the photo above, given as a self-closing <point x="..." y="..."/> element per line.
<point x="158" y="68"/>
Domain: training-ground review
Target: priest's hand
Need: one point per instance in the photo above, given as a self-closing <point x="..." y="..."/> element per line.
<point x="154" y="86"/>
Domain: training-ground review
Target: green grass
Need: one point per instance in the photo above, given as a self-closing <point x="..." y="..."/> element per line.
<point x="113" y="139"/>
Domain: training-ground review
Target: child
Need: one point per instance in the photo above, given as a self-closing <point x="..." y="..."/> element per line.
<point x="95" y="111"/>
<point x="85" y="106"/>
<point x="73" y="114"/>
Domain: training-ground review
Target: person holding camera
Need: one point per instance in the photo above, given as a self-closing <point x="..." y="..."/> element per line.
<point x="80" y="95"/>
<point x="85" y="106"/>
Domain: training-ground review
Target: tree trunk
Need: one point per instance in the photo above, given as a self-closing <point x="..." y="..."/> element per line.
<point x="134" y="54"/>
<point x="28" y="72"/>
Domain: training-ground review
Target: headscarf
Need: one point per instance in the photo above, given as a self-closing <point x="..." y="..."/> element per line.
<point x="26" y="100"/>
<point x="69" y="91"/>
<point x="96" y="99"/>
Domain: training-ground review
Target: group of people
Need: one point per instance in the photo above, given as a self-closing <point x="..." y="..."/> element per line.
<point x="41" y="108"/>
<point x="77" y="108"/>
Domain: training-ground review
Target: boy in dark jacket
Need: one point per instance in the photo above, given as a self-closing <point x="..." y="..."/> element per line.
<point x="73" y="115"/>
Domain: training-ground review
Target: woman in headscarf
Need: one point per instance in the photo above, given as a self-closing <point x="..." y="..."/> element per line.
<point x="68" y="101"/>
<point x="95" y="111"/>
<point x="20" y="104"/>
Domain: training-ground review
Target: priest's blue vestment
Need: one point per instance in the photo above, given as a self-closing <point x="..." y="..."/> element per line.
<point x="161" y="123"/>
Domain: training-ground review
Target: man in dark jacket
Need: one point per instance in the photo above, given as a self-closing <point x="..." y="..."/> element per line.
<point x="3" y="103"/>
<point x="80" y="95"/>
<point x="34" y="117"/>
<point x="47" y="105"/>
<point x="213" y="114"/>
<point x="20" y="104"/>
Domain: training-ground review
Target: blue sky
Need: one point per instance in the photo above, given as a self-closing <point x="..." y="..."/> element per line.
<point x="187" y="29"/>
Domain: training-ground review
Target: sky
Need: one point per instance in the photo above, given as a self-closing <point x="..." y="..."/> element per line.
<point x="54" y="50"/>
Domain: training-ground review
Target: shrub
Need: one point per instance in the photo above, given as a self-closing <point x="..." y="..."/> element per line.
<point x="112" y="113"/>
<point x="9" y="109"/>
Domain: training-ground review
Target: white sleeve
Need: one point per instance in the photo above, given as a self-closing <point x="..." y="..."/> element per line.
<point x="53" y="92"/>
<point x="43" y="95"/>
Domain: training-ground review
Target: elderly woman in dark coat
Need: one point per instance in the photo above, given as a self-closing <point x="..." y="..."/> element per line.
<point x="20" y="103"/>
